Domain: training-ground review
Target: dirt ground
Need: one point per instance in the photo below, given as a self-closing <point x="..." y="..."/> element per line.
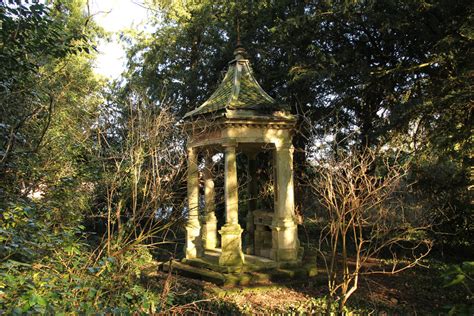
<point x="418" y="291"/>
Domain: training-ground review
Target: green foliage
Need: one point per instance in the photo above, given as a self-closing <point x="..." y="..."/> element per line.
<point x="48" y="95"/>
<point x="31" y="37"/>
<point x="442" y="189"/>
<point x="27" y="232"/>
<point x="44" y="270"/>
<point x="394" y="73"/>
<point x="318" y="305"/>
<point x="461" y="275"/>
<point x="67" y="283"/>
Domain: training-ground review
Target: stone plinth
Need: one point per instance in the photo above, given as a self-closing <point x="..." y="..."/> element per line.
<point x="231" y="242"/>
<point x="285" y="243"/>
<point x="193" y="240"/>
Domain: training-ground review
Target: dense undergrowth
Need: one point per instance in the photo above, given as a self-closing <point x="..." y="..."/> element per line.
<point x="92" y="173"/>
<point x="48" y="269"/>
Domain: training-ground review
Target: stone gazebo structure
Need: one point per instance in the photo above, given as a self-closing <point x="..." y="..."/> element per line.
<point x="241" y="117"/>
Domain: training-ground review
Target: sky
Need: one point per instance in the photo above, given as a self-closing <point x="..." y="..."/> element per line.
<point x="114" y="16"/>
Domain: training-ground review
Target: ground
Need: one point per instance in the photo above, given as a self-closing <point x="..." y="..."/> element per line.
<point x="417" y="291"/>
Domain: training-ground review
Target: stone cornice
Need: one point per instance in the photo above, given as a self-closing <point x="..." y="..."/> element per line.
<point x="199" y="126"/>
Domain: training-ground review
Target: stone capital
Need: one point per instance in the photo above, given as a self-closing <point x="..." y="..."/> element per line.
<point x="229" y="144"/>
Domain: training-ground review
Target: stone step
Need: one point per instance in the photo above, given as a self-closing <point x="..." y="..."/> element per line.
<point x="198" y="269"/>
<point x="252" y="263"/>
<point x="194" y="272"/>
<point x="247" y="267"/>
<point x="204" y="263"/>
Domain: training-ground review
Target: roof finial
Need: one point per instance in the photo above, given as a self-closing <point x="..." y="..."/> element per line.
<point x="238" y="31"/>
<point x="239" y="50"/>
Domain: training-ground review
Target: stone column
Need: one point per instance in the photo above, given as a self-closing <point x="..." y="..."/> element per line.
<point x="252" y="202"/>
<point x="231" y="232"/>
<point x="209" y="227"/>
<point x="193" y="246"/>
<point x="285" y="242"/>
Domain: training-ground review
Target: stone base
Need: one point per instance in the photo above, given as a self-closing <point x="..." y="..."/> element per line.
<point x="231" y="242"/>
<point x="285" y="243"/>
<point x="284" y="255"/>
<point x="193" y="246"/>
<point x="210" y="260"/>
<point x="255" y="271"/>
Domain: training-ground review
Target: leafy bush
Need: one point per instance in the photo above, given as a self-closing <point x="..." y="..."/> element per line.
<point x="43" y="271"/>
<point x="461" y="275"/>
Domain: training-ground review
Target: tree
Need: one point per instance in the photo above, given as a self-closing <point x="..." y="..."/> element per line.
<point x="392" y="71"/>
<point x="363" y="218"/>
<point x="141" y="189"/>
<point x="47" y="92"/>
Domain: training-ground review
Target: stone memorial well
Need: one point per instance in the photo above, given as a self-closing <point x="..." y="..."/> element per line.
<point x="240" y="118"/>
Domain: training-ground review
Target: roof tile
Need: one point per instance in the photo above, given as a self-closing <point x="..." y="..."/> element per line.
<point x="238" y="90"/>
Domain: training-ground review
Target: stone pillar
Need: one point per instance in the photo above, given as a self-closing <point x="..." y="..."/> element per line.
<point x="252" y="202"/>
<point x="193" y="246"/>
<point x="209" y="227"/>
<point x="285" y="242"/>
<point x="231" y="232"/>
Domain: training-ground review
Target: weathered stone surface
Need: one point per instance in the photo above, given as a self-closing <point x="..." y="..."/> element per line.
<point x="193" y="246"/>
<point x="231" y="241"/>
<point x="284" y="239"/>
<point x="209" y="227"/>
<point x="194" y="272"/>
<point x="254" y="271"/>
<point x="238" y="90"/>
<point x="240" y="116"/>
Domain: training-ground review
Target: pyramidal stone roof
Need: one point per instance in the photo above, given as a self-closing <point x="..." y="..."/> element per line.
<point x="239" y="92"/>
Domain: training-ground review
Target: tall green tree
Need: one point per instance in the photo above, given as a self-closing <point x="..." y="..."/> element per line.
<point x="395" y="73"/>
<point x="48" y="100"/>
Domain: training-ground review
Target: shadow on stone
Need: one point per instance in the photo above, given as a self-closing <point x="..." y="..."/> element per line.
<point x="255" y="271"/>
